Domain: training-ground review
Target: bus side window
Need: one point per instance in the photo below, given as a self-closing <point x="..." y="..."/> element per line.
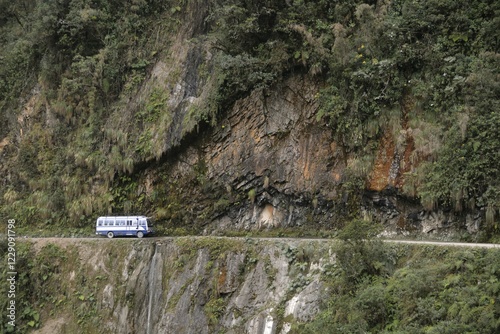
<point x="99" y="222"/>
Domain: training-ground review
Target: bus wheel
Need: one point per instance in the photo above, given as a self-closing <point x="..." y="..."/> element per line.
<point x="110" y="235"/>
<point x="140" y="234"/>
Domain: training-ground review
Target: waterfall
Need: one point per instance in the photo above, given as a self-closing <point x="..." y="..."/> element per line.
<point x="152" y="285"/>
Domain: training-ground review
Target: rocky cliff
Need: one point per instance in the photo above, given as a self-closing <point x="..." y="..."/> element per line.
<point x="248" y="285"/>
<point x="184" y="286"/>
<point x="274" y="165"/>
<point x="240" y="117"/>
<point x="232" y="116"/>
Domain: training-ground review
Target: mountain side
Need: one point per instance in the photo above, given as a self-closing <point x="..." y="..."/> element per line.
<point x="216" y="116"/>
<point x="246" y="285"/>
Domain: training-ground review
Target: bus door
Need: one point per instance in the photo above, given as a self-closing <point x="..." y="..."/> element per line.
<point x="142" y="225"/>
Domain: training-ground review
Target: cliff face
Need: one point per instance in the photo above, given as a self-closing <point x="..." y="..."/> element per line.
<point x="253" y="286"/>
<point x="271" y="159"/>
<point x="187" y="286"/>
<point x="270" y="163"/>
<point x="223" y="117"/>
<point x="231" y="116"/>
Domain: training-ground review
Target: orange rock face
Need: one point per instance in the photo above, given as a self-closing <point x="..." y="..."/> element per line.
<point x="380" y="176"/>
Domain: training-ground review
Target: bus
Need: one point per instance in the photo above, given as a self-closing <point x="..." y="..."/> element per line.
<point x="138" y="226"/>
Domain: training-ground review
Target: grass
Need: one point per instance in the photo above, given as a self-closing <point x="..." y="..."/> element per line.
<point x="69" y="279"/>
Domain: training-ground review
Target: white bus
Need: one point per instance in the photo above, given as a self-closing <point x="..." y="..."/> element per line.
<point x="123" y="225"/>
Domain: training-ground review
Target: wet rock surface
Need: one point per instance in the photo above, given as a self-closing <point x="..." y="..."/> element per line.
<point x="275" y="165"/>
<point x="206" y="285"/>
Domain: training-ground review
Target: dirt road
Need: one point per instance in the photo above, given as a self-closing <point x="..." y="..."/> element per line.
<point x="67" y="241"/>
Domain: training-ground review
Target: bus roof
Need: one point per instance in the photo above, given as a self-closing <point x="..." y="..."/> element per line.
<point x="123" y="217"/>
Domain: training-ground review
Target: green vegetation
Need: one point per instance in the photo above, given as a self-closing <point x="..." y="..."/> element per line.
<point x="78" y="62"/>
<point x="420" y="290"/>
<point x="215" y="309"/>
<point x="54" y="281"/>
<point x="383" y="288"/>
<point x="85" y="115"/>
<point x="370" y="286"/>
<point x="42" y="288"/>
<point x="427" y="68"/>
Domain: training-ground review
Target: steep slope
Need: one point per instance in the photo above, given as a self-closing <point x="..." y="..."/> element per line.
<point x="234" y="115"/>
<point x="213" y="285"/>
